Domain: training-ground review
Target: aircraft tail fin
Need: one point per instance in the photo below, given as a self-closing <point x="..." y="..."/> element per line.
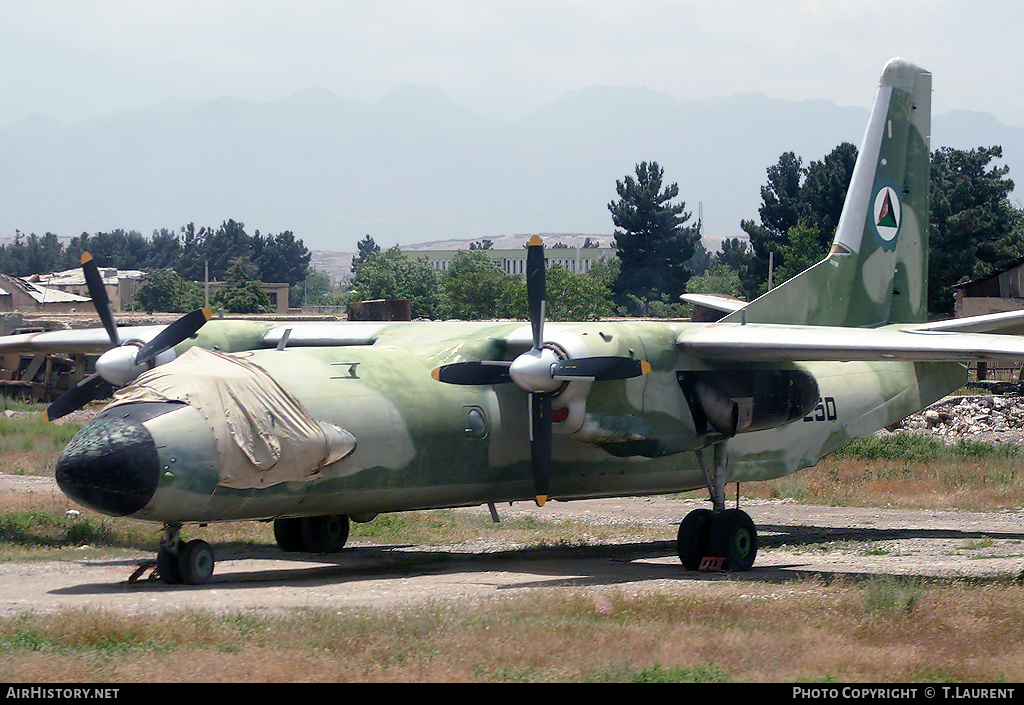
<point x="876" y="271"/>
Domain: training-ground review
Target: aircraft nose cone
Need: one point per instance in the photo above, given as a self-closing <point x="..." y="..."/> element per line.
<point x="111" y="465"/>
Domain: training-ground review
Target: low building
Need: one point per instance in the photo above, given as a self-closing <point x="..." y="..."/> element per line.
<point x="121" y="285"/>
<point x="23" y="295"/>
<point x="998" y="291"/>
<point x="577" y="260"/>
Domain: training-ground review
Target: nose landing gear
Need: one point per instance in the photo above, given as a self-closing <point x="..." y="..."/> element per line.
<point x="178" y="562"/>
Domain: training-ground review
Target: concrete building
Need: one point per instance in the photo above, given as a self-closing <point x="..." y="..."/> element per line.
<point x="577" y="260"/>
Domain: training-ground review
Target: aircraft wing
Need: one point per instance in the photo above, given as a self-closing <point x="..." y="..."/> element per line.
<point x="82" y="340"/>
<point x="775" y="343"/>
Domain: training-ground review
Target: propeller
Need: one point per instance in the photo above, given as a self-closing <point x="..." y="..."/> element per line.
<point x="540" y="371"/>
<point x="124" y="361"/>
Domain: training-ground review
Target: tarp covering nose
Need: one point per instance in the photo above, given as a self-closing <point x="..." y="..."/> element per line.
<point x="263" y="434"/>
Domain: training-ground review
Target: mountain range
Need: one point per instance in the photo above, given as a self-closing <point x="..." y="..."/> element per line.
<point x="417" y="167"/>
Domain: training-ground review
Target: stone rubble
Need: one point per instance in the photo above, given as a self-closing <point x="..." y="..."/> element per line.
<point x="988" y="418"/>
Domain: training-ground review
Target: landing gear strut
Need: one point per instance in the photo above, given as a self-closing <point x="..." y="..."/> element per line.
<point x="179" y="562"/>
<point x="726" y="534"/>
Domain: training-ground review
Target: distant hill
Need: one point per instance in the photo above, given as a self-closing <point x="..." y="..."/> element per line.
<point x="416" y="167"/>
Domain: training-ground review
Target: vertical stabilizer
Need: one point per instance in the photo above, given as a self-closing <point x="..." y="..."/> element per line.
<point x="876" y="271"/>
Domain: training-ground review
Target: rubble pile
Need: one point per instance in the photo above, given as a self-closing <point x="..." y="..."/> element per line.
<point x="986" y="418"/>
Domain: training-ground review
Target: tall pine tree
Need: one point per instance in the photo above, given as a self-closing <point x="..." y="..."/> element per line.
<point x="652" y="238"/>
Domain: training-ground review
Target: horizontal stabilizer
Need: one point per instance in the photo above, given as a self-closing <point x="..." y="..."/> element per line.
<point x="726" y="304"/>
<point x="1007" y="322"/>
<point x="779" y="343"/>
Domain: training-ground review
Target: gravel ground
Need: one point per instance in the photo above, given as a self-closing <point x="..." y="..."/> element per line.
<point x="797" y="542"/>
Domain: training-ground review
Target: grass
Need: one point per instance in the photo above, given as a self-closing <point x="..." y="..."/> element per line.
<point x="880" y="629"/>
<point x="908" y="471"/>
<point x="884" y="630"/>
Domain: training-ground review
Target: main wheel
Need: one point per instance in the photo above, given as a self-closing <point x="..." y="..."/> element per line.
<point x="195" y="561"/>
<point x="324" y="534"/>
<point x="288" y="534"/>
<point x="692" y="539"/>
<point x="733" y="536"/>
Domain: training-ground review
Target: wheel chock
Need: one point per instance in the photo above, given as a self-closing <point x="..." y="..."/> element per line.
<point x="141" y="569"/>
<point x="712" y="563"/>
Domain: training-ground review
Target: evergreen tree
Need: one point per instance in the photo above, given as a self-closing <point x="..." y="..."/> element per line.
<point x="974" y="227"/>
<point x="652" y="239"/>
<point x="365" y="247"/>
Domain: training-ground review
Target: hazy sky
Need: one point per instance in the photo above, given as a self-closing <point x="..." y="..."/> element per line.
<point x="70" y="59"/>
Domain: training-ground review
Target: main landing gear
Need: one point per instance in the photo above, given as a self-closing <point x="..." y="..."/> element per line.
<point x="722" y="536"/>
<point x="322" y="534"/>
<point x="191" y="563"/>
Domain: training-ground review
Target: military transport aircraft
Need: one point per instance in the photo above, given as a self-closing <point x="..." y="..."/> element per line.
<point x="313" y="425"/>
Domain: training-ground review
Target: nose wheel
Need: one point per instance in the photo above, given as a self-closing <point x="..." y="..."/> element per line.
<point x="178" y="562"/>
<point x="724" y="537"/>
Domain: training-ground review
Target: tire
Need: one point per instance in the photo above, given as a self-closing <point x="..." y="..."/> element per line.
<point x="167" y="567"/>
<point x="692" y="539"/>
<point x="195" y="561"/>
<point x="733" y="536"/>
<point x="324" y="534"/>
<point x="288" y="534"/>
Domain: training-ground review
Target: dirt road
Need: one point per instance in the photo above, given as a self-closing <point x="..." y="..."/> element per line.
<point x="796" y="541"/>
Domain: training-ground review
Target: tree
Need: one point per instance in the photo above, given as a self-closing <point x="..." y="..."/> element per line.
<point x="392" y="275"/>
<point x="652" y="239"/>
<point x="473" y="285"/>
<point x="575" y="297"/>
<point x="814" y="194"/>
<point x="823" y="192"/>
<point x="165" y="291"/>
<point x="974" y="228"/>
<point x="779" y="211"/>
<point x="280" y="258"/>
<point x="240" y="293"/>
<point x="365" y="247"/>
<point x="802" y="249"/>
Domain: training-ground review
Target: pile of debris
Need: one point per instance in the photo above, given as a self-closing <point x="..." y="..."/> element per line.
<point x="988" y="418"/>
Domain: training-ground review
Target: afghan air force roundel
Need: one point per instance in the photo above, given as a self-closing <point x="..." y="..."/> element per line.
<point x="887" y="216"/>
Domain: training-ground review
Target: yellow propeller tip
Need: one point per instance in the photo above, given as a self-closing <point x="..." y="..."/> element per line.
<point x="535" y="240"/>
<point x="86" y="257"/>
<point x="46" y="417"/>
<point x="436" y="373"/>
<point x="208" y="312"/>
<point x="541" y="499"/>
<point x="645" y="367"/>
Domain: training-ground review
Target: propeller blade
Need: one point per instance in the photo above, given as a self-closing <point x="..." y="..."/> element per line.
<point x="91" y="388"/>
<point x="98" y="293"/>
<point x="536" y="288"/>
<point x="540" y="444"/>
<point x="173" y="334"/>
<point x="600" y="368"/>
<point x="483" y="372"/>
